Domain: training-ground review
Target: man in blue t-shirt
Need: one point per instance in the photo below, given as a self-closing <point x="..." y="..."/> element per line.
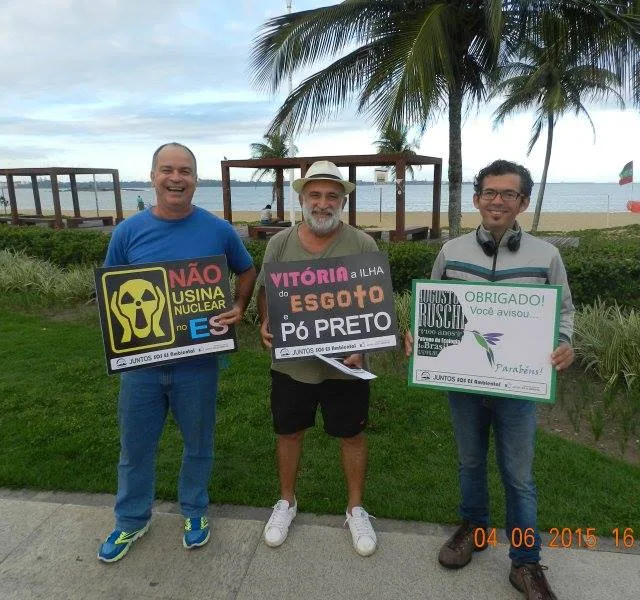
<point x="173" y="229"/>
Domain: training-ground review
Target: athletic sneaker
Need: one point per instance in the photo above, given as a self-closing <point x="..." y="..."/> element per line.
<point x="117" y="544"/>
<point x="362" y="533"/>
<point x="277" y="527"/>
<point x="196" y="532"/>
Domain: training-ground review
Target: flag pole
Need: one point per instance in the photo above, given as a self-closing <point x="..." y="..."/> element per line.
<point x="292" y="193"/>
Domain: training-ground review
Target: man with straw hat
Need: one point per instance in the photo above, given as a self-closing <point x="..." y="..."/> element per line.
<point x="298" y="387"/>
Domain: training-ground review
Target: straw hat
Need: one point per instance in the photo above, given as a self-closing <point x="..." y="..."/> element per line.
<point x="323" y="170"/>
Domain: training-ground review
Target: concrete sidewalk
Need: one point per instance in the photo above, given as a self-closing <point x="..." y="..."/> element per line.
<point x="49" y="540"/>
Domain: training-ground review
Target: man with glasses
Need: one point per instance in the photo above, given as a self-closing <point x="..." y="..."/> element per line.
<point x="499" y="251"/>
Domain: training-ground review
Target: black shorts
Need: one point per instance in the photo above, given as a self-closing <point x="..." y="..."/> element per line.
<point x="344" y="404"/>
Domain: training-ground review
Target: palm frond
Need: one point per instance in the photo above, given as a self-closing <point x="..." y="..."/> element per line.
<point x="404" y="61"/>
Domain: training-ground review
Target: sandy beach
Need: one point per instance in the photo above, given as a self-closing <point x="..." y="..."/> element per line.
<point x="553" y="221"/>
<point x="548" y="221"/>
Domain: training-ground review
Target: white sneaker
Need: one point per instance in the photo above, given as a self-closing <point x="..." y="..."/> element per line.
<point x="362" y="533"/>
<point x="277" y="527"/>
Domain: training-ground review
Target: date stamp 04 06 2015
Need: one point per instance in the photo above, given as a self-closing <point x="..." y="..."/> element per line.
<point x="565" y="537"/>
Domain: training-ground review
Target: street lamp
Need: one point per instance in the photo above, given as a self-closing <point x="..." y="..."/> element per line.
<point x="380" y="178"/>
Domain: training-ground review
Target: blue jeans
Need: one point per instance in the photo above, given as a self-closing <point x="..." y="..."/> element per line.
<point x="189" y="391"/>
<point x="514" y="427"/>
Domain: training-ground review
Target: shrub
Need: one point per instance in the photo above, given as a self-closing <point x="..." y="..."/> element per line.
<point x="43" y="282"/>
<point x="606" y="265"/>
<point x="63" y="248"/>
<point x="613" y="279"/>
<point x="409" y="260"/>
<point x="607" y="341"/>
<point x="402" y="303"/>
<point x="256" y="249"/>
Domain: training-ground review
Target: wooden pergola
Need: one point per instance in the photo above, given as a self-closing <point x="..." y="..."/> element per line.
<point x="53" y="173"/>
<point x="399" y="161"/>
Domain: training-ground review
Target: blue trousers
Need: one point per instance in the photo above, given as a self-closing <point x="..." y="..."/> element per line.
<point x="514" y="427"/>
<point x="146" y="396"/>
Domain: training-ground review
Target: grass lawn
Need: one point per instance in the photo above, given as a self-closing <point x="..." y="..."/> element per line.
<point x="58" y="431"/>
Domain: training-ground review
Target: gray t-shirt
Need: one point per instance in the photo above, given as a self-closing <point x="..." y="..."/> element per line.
<point x="285" y="246"/>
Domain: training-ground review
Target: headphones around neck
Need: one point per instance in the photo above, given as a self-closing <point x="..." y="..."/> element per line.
<point x="489" y="246"/>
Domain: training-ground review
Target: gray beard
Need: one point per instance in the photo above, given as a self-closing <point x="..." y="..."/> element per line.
<point x="324" y="226"/>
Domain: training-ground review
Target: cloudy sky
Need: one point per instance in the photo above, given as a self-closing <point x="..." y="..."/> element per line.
<point x="101" y="83"/>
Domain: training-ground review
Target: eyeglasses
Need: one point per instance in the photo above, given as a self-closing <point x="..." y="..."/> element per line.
<point x="507" y="195"/>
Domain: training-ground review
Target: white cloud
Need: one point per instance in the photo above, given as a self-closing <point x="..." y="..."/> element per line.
<point x="91" y="83"/>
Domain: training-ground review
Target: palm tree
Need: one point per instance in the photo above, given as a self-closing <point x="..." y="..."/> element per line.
<point x="552" y="80"/>
<point x="394" y="141"/>
<point x="275" y="145"/>
<point x="405" y="61"/>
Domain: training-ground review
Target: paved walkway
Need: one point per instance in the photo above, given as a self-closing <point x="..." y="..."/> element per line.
<point x="48" y="544"/>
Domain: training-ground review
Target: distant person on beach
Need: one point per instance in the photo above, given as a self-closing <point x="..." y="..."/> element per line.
<point x="173" y="229"/>
<point x="140" y="203"/>
<point x="499" y="251"/>
<point x="266" y="217"/>
<point x="298" y="387"/>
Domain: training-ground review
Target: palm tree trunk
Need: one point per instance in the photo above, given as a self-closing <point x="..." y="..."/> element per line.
<point x="455" y="158"/>
<point x="543" y="181"/>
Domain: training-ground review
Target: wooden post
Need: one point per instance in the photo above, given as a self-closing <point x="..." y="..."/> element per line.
<point x="11" y="190"/>
<point x="36" y="194"/>
<point x="304" y="167"/>
<point x="55" y="192"/>
<point x="352" y="197"/>
<point x="226" y="194"/>
<point x="74" y="194"/>
<point x="437" y="187"/>
<point x="279" y="193"/>
<point x="399" y="234"/>
<point x="118" y="196"/>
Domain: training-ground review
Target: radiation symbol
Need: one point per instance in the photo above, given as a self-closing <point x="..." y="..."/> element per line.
<point x="138" y="306"/>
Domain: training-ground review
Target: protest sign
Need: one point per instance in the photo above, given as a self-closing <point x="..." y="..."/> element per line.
<point x="330" y="306"/>
<point x="160" y="313"/>
<point x="487" y="339"/>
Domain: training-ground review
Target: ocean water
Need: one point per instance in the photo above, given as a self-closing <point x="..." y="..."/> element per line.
<point x="559" y="197"/>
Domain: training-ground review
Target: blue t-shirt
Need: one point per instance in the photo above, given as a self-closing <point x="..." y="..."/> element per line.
<point x="145" y="238"/>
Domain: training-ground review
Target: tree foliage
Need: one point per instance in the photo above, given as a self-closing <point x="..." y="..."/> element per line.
<point x="551" y="76"/>
<point x="396" y="141"/>
<point x="404" y="62"/>
<point x="275" y="145"/>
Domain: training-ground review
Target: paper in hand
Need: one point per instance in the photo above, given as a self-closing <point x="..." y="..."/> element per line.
<point x="338" y="364"/>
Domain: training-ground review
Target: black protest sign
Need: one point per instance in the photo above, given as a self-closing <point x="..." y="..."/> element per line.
<point x="166" y="312"/>
<point x="331" y="306"/>
<point x="441" y="321"/>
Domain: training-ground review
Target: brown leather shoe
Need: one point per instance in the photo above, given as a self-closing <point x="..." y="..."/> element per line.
<point x="530" y="580"/>
<point x="459" y="548"/>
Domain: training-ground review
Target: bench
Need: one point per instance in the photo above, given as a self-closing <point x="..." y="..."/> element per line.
<point x="376" y="234"/>
<point x="48" y="221"/>
<point x="562" y="240"/>
<point x="410" y="233"/>
<point x="89" y="221"/>
<point x="261" y="232"/>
